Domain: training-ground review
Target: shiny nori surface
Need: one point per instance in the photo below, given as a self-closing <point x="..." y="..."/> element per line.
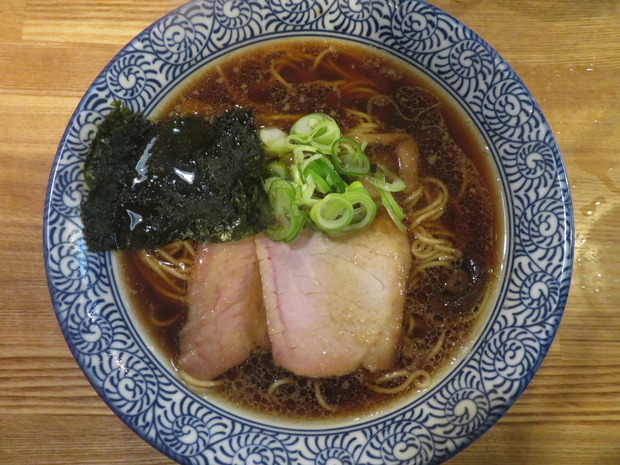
<point x="180" y="178"/>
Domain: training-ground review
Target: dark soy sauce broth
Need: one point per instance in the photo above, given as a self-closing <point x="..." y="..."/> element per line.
<point x="450" y="150"/>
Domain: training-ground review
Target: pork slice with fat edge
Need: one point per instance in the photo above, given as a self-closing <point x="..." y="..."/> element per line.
<point x="226" y="316"/>
<point x="334" y="305"/>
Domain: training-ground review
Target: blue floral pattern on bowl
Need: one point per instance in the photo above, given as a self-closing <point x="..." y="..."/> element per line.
<point x="147" y="396"/>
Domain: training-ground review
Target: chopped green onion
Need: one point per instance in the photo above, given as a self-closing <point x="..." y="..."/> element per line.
<point x="332" y="213"/>
<point x="322" y="168"/>
<point x="343" y="214"/>
<point x="386" y="180"/>
<point x="308" y="198"/>
<point x="320" y="184"/>
<point x="307" y="161"/>
<point x="295" y="175"/>
<point x="277" y="169"/>
<point x="303" y="153"/>
<point x="289" y="218"/>
<point x="393" y="209"/>
<point x="364" y="207"/>
<point x="316" y="184"/>
<point x="349" y="157"/>
<point x="274" y="141"/>
<point x="316" y="129"/>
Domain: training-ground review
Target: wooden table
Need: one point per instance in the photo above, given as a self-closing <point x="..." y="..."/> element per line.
<point x="567" y="52"/>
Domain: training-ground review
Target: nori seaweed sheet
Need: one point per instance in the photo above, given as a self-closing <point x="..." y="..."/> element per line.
<point x="181" y="178"/>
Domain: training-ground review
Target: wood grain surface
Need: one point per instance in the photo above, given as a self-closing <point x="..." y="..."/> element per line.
<point x="568" y="54"/>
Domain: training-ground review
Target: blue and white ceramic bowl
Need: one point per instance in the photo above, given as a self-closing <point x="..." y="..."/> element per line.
<point x="142" y="390"/>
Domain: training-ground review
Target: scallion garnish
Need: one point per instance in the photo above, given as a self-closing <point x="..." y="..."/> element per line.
<point x="289" y="217"/>
<point x="393" y="209"/>
<point x="277" y="169"/>
<point x="274" y="141"/>
<point x="316" y="129"/>
<point x="322" y="182"/>
<point x="349" y="157"/>
<point x="384" y="179"/>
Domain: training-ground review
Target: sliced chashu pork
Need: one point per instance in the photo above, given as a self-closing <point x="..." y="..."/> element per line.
<point x="226" y="316"/>
<point x="335" y="305"/>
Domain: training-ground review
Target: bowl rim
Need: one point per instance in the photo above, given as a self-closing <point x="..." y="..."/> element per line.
<point x="559" y="183"/>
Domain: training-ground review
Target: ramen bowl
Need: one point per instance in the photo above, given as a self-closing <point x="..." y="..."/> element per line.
<point x="429" y="426"/>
